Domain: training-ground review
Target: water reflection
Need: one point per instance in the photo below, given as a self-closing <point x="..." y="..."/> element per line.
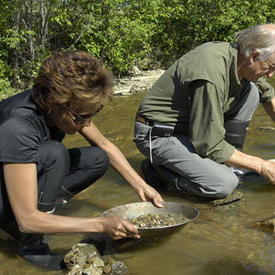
<point x="221" y="241"/>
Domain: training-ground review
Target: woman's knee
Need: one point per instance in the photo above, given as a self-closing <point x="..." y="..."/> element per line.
<point x="53" y="154"/>
<point x="91" y="158"/>
<point x="52" y="167"/>
<point x="103" y="159"/>
<point x="88" y="164"/>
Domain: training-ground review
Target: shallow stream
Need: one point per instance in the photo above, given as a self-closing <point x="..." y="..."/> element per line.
<point x="222" y="240"/>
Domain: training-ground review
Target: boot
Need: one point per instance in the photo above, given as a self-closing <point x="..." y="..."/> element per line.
<point x="12" y="230"/>
<point x="235" y="135"/>
<point x="34" y="250"/>
<point x="64" y="197"/>
<point x="236" y="132"/>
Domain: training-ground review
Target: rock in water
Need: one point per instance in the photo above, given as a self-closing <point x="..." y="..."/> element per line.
<point x="85" y="259"/>
<point x="267" y="225"/>
<point x="118" y="268"/>
<point x="235" y="196"/>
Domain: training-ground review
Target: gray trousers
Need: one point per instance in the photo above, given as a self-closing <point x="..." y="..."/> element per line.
<point x="176" y="161"/>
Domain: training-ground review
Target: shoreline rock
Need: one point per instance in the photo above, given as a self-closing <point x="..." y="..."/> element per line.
<point x="140" y="81"/>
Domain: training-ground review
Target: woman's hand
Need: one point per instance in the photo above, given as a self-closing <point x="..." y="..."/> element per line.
<point x="120" y="164"/>
<point x="118" y="228"/>
<point x="148" y="193"/>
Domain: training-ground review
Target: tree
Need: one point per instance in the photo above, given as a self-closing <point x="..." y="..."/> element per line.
<point x="121" y="33"/>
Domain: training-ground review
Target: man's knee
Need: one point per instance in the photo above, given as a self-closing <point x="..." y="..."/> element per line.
<point x="225" y="185"/>
<point x="215" y="186"/>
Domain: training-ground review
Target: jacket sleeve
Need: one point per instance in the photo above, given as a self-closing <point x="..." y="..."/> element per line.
<point x="266" y="91"/>
<point x="206" y="122"/>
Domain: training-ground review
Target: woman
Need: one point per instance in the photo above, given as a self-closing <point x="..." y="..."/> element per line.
<point x="37" y="170"/>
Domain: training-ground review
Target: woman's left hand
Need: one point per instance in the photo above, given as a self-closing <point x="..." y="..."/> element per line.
<point x="148" y="193"/>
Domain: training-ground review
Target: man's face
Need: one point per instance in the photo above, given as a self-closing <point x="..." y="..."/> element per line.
<point x="258" y="68"/>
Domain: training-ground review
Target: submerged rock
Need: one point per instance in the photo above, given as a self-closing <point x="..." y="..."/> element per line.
<point x="235" y="196"/>
<point x="84" y="259"/>
<point x="267" y="224"/>
<point x="118" y="268"/>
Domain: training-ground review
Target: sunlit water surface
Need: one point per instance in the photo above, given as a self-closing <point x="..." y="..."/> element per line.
<point x="222" y="240"/>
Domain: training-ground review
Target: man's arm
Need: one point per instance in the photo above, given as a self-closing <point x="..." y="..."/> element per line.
<point x="270" y="108"/>
<point x="207" y="129"/>
<point x="206" y="122"/>
<point x="262" y="167"/>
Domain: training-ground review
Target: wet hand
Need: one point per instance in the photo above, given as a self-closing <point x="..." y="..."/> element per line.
<point x="119" y="228"/>
<point x="268" y="171"/>
<point x="148" y="193"/>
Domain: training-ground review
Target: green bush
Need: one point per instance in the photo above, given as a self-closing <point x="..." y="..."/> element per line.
<point x="121" y="33"/>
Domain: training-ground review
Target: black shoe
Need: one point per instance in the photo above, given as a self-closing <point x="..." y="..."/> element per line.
<point x="64" y="198"/>
<point x="12" y="230"/>
<point x="61" y="202"/>
<point x="35" y="251"/>
<point x="149" y="174"/>
<point x="41" y="256"/>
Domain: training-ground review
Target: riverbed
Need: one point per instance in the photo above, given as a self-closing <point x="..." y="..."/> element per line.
<point x="223" y="240"/>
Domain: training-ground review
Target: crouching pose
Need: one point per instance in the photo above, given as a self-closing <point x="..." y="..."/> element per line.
<point x="37" y="170"/>
<point x="192" y="124"/>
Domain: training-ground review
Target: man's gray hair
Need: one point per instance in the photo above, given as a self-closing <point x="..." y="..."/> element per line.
<point x="260" y="38"/>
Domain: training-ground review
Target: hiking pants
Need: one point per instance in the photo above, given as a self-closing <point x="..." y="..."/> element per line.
<point x="176" y="161"/>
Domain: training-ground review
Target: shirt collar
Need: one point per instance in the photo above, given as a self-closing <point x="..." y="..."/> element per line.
<point x="236" y="83"/>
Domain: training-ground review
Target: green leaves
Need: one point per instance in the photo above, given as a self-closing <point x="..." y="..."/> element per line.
<point x="121" y="33"/>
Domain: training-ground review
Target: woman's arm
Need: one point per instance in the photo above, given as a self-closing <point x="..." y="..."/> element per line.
<point x="21" y="185"/>
<point x="121" y="165"/>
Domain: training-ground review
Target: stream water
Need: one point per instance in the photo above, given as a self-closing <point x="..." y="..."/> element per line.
<point x="222" y="240"/>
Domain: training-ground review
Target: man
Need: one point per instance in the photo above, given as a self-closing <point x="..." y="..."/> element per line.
<point x="192" y="123"/>
<point x="37" y="171"/>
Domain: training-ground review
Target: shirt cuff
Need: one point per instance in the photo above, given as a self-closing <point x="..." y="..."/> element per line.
<point x="222" y="153"/>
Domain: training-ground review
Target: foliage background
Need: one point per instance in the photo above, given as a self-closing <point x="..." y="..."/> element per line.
<point x="121" y="33"/>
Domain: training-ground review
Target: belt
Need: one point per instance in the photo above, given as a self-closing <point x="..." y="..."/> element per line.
<point x="144" y="120"/>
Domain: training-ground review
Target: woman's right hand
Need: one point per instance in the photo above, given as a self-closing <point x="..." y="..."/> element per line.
<point x="118" y="228"/>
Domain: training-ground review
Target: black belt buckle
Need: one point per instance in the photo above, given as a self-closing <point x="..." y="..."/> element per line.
<point x="162" y="130"/>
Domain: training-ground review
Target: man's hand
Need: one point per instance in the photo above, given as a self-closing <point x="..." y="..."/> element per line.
<point x="268" y="171"/>
<point x="118" y="228"/>
<point x="265" y="168"/>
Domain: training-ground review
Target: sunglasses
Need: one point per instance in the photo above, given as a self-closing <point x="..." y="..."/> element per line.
<point x="84" y="119"/>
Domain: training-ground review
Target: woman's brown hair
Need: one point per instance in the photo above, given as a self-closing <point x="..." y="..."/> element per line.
<point x="69" y="78"/>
